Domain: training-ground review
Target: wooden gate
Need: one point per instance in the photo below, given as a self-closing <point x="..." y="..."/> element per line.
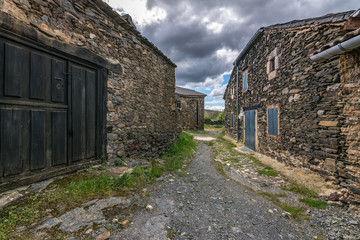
<point x="250" y="129"/>
<point x="50" y="109"/>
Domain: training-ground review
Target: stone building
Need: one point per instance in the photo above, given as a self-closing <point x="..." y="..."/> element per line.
<point x="190" y="107"/>
<point x="282" y="104"/>
<point x="81" y="85"/>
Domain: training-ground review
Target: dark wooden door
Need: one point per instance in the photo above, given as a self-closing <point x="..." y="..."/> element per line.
<point x="83" y="112"/>
<point x="48" y="109"/>
<point x="250" y="129"/>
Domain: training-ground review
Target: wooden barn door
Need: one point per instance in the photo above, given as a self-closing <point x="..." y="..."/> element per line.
<point x="48" y="110"/>
<point x="250" y="129"/>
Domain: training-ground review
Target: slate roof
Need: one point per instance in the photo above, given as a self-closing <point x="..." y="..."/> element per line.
<point x="331" y="17"/>
<point x="188" y="92"/>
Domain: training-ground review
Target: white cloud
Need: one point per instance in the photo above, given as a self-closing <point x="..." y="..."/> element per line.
<point x="227" y="54"/>
<point x="218" y="91"/>
<point x="138" y="11"/>
<point x="214" y="101"/>
<point x="216" y="108"/>
<point x="209" y="82"/>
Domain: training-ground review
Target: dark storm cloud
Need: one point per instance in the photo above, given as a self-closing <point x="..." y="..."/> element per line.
<point x="187" y="36"/>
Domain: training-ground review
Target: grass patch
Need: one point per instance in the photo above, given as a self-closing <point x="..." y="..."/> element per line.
<point x="234" y="160"/>
<point x="196" y="132"/>
<point x="211" y="143"/>
<point x="228" y="145"/>
<point x="295" y="212"/>
<point x="301" y="189"/>
<point x="181" y="150"/>
<point x="268" y="171"/>
<point x="255" y="160"/>
<point x="214" y="127"/>
<point x="120" y="162"/>
<point x="171" y="234"/>
<point x="314" y="203"/>
<point x="220" y="169"/>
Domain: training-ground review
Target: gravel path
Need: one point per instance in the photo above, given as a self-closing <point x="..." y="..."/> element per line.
<point x="206" y="205"/>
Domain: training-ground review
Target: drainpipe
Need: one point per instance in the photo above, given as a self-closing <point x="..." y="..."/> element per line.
<point x="346" y="46"/>
<point x="237" y="104"/>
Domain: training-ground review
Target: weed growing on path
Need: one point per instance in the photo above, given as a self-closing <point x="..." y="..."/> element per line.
<point x="268" y="171"/>
<point x="183" y="149"/>
<point x="314" y="203"/>
<point x="220" y="169"/>
<point x="295" y="212"/>
<point x="301" y="189"/>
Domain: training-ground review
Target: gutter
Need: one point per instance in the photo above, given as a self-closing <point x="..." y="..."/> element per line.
<point x="236" y="64"/>
<point x="248" y="46"/>
<point x="343" y="47"/>
<point x="237" y="104"/>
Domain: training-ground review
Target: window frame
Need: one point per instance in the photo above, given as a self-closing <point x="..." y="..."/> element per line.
<point x="245" y="81"/>
<point x="232" y="122"/>
<point x="272" y="64"/>
<point x="278" y="136"/>
<point x="178" y="104"/>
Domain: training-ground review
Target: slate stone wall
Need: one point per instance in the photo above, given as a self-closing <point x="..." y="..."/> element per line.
<point x="141" y="116"/>
<point x="188" y="116"/>
<point x="230" y="106"/>
<point x="310" y="100"/>
<point x="348" y="169"/>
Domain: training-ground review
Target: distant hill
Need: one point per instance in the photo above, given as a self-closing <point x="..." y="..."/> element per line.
<point x="212" y="114"/>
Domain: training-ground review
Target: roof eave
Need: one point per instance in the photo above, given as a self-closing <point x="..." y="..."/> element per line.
<point x="248" y="46"/>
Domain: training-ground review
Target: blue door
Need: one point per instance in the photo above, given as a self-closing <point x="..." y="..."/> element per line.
<point x="250" y="129"/>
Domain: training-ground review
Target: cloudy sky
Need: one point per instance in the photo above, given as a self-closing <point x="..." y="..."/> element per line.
<point x="203" y="37"/>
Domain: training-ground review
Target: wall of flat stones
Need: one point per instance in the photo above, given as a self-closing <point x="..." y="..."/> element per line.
<point x="230" y="106"/>
<point x="348" y="169"/>
<point x="187" y="114"/>
<point x="141" y="116"/>
<point x="309" y="97"/>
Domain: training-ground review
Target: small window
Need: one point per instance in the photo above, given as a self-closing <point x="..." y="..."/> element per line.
<point x="272" y="64"/>
<point x="178" y="104"/>
<point x="245" y="80"/>
<point x="232" y="120"/>
<point x="273" y="121"/>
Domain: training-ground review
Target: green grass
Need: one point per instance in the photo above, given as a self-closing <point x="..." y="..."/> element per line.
<point x="228" y="145"/>
<point x="211" y="143"/>
<point x="295" y="212"/>
<point x="234" y="160"/>
<point x="120" y="162"/>
<point x="220" y="169"/>
<point x="314" y="203"/>
<point x="196" y="132"/>
<point x="183" y="149"/>
<point x="301" y="189"/>
<point x="171" y="234"/>
<point x="268" y="171"/>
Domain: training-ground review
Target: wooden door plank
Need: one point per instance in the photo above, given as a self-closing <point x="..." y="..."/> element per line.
<point x="90" y="114"/>
<point x="59" y="138"/>
<point x="16" y="70"/>
<point x="10" y="141"/>
<point x="37" y="140"/>
<point x="58" y="80"/>
<point x="78" y="113"/>
<point x="39" y="75"/>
